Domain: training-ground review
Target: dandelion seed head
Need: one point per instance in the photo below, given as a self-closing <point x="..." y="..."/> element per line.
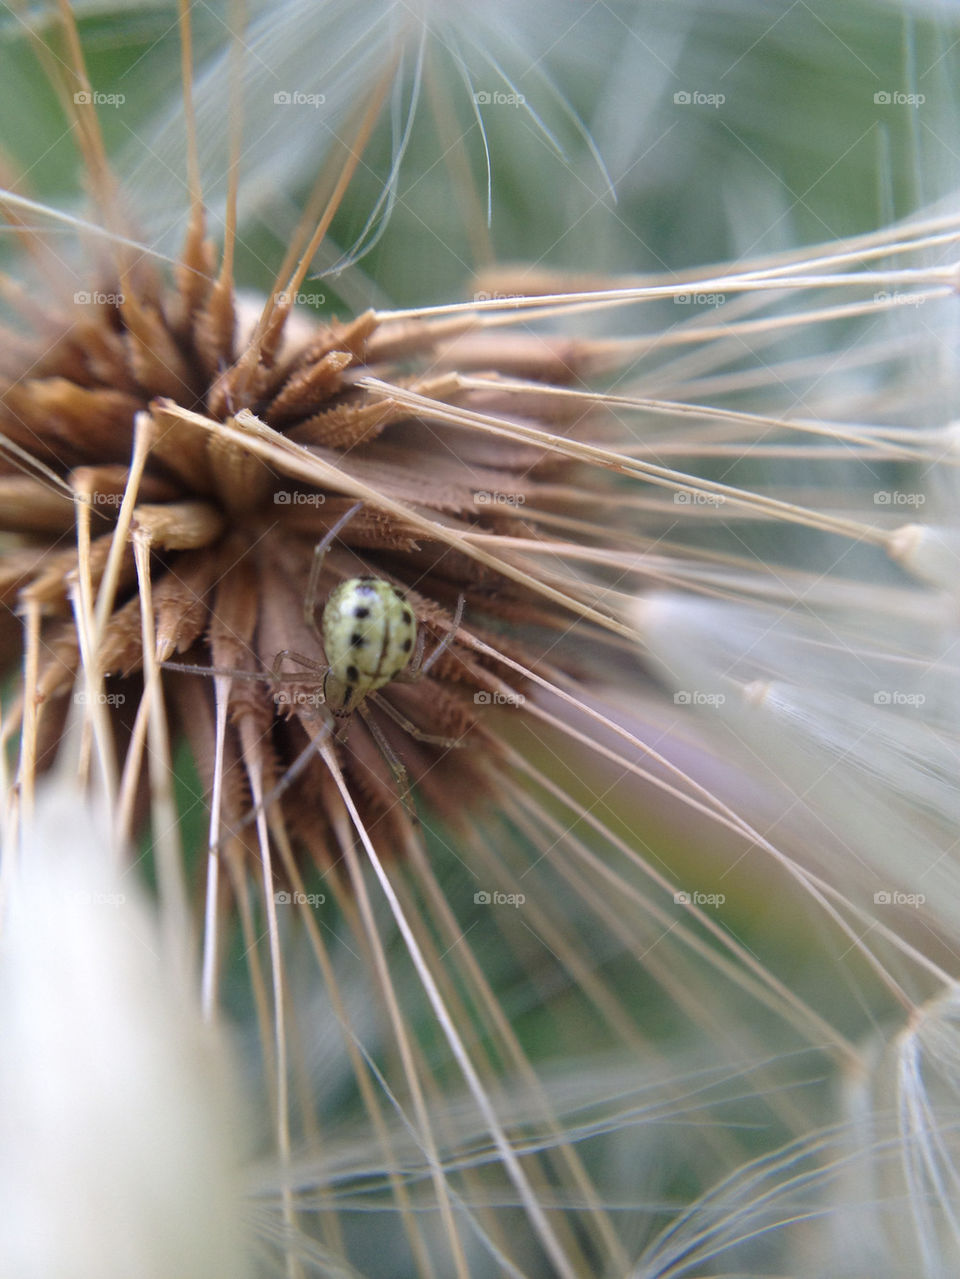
<point x="701" y="521"/>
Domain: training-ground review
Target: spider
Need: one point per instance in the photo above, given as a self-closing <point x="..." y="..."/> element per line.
<point x="370" y="638"/>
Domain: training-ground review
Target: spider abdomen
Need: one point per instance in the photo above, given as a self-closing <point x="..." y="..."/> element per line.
<point x="369" y="636"/>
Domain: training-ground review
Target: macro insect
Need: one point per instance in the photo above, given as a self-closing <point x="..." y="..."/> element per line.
<point x="369" y="636"/>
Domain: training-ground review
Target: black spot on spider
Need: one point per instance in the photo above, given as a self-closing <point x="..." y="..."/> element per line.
<point x="367" y="579"/>
<point x="352" y="675"/>
<point x="361" y="611"/>
<point x="407" y="645"/>
<point x="407" y="616"/>
<point x="357" y="640"/>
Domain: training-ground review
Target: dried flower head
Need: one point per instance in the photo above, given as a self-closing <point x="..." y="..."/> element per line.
<point x="459" y="475"/>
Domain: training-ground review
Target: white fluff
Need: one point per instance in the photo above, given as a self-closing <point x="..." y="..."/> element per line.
<point x="118" y="1127"/>
<point x="849" y="717"/>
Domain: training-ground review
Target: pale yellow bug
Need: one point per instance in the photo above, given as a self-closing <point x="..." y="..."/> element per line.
<point x="370" y="637"/>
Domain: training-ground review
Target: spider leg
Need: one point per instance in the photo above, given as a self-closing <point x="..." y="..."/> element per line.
<point x="448" y="638"/>
<point x="399" y="772"/>
<point x="319" y="555"/>
<point x="185" y="669"/>
<point x="309" y="665"/>
<point x="285" y="782"/>
<point x="340" y="725"/>
<point x="418" y="666"/>
<point x="432" y="739"/>
<point x="415" y="665"/>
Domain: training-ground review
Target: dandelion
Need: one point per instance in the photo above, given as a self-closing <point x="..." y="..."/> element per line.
<point x="558" y="662"/>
